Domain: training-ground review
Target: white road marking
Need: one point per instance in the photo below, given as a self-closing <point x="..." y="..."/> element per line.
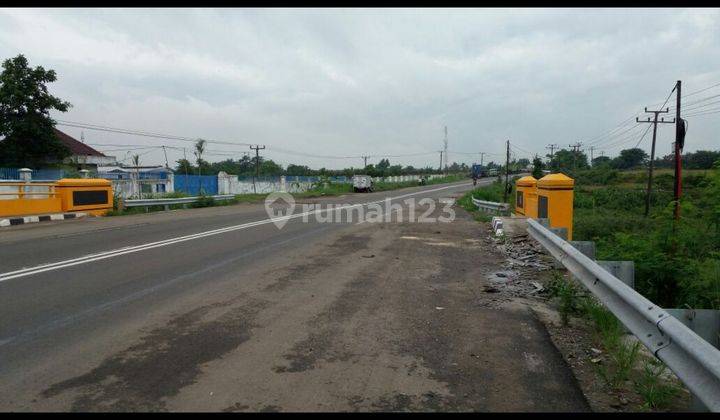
<point x="137" y="248"/>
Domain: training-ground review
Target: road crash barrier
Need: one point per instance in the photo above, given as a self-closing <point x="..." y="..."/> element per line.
<point x="491" y="206"/>
<point x="167" y="202"/>
<point x="93" y="196"/>
<point x="695" y="361"/>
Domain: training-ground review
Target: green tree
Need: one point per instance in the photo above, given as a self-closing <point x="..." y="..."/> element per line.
<point x="25" y="122"/>
<point x="382" y="167"/>
<point x="198" y="152"/>
<point x="630" y="158"/>
<point x="567" y="160"/>
<point x="701" y="159"/>
<point x="184" y="166"/>
<point x="538" y="166"/>
<point x="601" y="161"/>
<point x="268" y="167"/>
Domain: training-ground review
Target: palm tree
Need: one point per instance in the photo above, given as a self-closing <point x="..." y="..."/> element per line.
<point x="199" y="149"/>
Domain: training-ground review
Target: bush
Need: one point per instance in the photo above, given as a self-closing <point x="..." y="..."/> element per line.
<point x="204" y="201"/>
<point x="597" y="176"/>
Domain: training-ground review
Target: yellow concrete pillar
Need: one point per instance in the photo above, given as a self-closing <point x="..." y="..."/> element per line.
<point x="88" y="195"/>
<point x="526" y="197"/>
<point x="555" y="201"/>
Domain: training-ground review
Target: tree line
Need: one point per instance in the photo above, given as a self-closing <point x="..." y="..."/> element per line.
<point x="629" y="159"/>
<point x="246" y="166"/>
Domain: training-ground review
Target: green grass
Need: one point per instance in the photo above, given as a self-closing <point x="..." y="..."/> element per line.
<point x="676" y="264"/>
<point x="656" y="392"/>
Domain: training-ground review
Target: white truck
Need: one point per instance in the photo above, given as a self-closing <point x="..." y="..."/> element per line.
<point x="362" y="183"/>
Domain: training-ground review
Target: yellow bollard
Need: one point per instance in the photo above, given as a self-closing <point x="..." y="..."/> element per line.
<point x="526" y="197"/>
<point x="555" y="201"/>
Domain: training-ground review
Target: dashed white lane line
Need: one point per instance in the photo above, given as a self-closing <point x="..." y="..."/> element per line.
<point x="29" y="271"/>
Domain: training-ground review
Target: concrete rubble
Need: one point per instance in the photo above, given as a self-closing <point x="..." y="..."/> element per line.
<point x="525" y="258"/>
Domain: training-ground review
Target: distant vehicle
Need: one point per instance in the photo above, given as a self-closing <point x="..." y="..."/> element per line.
<point x="492" y="172"/>
<point x="479" y="171"/>
<point x="422" y="180"/>
<point x="362" y="183"/>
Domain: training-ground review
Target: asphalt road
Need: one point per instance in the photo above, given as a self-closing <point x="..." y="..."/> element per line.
<point x="218" y="309"/>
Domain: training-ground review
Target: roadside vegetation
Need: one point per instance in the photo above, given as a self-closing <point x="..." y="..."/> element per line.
<point x="677" y="264"/>
<point x="618" y="359"/>
<point x="492" y="192"/>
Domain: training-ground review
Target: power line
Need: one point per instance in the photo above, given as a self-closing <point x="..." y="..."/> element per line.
<point x="141" y="133"/>
<point x="704" y="112"/>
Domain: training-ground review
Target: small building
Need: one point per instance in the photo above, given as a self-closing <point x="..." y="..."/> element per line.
<point x="130" y="181"/>
<point x="83" y="156"/>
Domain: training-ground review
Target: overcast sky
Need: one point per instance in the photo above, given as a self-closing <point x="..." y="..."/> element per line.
<point x="373" y="82"/>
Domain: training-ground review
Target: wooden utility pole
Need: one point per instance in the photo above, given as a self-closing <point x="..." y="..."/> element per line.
<point x="446" y="151"/>
<point x="654" y="122"/>
<point x="575" y="148"/>
<point x="507" y="170"/>
<point x="679" y="140"/>
<point x="552" y="148"/>
<point x="187" y="163"/>
<point x="257" y="149"/>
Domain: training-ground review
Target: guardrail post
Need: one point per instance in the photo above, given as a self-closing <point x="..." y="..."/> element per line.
<point x="167" y="207"/>
<point x="586" y="247"/>
<point x="561" y="232"/>
<point x="623" y="270"/>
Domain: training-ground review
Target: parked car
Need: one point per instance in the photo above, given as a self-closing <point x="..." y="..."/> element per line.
<point x="362" y="183"/>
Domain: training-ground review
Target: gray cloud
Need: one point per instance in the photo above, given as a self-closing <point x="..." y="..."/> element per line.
<point x="355" y="82"/>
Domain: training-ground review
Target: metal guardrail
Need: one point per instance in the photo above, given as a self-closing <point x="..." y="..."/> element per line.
<point x="169" y="201"/>
<point x="695" y="361"/>
<point x="491" y="205"/>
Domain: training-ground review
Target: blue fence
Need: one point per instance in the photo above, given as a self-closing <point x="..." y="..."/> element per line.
<point x="48" y="174"/>
<point x="9" y="173"/>
<point x="191" y="184"/>
<point x="37" y="175"/>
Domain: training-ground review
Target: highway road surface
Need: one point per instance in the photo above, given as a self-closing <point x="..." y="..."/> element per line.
<point x="216" y="309"/>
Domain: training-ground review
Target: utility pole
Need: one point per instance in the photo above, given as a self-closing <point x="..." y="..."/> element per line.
<point x="679" y="143"/>
<point x="482" y="155"/>
<point x="441" y="156"/>
<point x="507" y="170"/>
<point x="257" y="150"/>
<point x="654" y="122"/>
<point x="576" y="148"/>
<point x="166" y="161"/>
<point x="365" y="158"/>
<point x="446" y="151"/>
<point x="552" y="148"/>
<point x="592" y="155"/>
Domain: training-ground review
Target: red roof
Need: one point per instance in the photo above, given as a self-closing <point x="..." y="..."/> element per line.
<point x="76" y="147"/>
